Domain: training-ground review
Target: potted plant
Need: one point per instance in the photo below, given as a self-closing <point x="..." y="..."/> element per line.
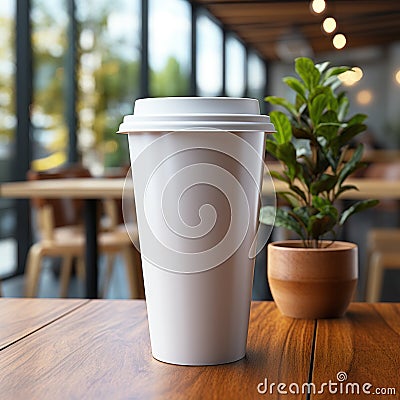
<point x="315" y="276"/>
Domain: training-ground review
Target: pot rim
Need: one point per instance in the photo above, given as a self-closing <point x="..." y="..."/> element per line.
<point x="291" y="245"/>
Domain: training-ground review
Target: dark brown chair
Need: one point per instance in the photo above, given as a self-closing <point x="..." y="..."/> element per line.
<point x="62" y="235"/>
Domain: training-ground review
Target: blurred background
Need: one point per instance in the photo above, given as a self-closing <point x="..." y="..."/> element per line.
<point x="70" y="70"/>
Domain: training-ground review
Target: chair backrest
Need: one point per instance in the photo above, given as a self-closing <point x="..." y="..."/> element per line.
<point x="65" y="211"/>
<point x="114" y="206"/>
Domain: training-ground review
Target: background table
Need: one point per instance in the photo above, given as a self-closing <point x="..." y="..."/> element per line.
<point x="93" y="189"/>
<point x="100" y="349"/>
<point x="89" y="189"/>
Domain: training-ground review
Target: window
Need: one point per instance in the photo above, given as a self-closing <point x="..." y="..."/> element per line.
<point x="209" y="57"/>
<point x="256" y="77"/>
<point x="7" y="131"/>
<point x="169" y="47"/>
<point x="49" y="20"/>
<point x="235" y="63"/>
<point x="108" y="78"/>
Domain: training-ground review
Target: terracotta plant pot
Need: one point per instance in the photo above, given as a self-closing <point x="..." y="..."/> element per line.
<point x="312" y="283"/>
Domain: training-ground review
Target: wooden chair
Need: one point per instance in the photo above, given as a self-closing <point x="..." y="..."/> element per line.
<point x="113" y="210"/>
<point x="62" y="235"/>
<point x="383" y="250"/>
<point x="383" y="253"/>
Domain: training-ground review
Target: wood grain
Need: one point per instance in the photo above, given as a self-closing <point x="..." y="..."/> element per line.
<point x="365" y="344"/>
<point x="102" y="351"/>
<point x="367" y="188"/>
<point x="80" y="188"/>
<point x="91" y="188"/>
<point x="21" y="317"/>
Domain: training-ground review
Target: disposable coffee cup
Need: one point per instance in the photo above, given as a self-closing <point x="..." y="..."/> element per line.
<point x="197" y="166"/>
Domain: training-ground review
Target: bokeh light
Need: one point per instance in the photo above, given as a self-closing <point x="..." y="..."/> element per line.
<point x="351" y="77"/>
<point x="364" y="97"/>
<point x="339" y="41"/>
<point x="329" y="25"/>
<point x="318" y="6"/>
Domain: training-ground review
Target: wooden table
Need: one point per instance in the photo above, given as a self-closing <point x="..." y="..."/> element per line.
<point x="94" y="188"/>
<point x="100" y="349"/>
<point x="367" y="189"/>
<point x="91" y="189"/>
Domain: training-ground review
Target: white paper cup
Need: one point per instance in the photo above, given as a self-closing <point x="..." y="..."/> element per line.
<point x="197" y="169"/>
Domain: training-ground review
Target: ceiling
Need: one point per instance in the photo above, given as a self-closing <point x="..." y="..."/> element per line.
<point x="264" y="24"/>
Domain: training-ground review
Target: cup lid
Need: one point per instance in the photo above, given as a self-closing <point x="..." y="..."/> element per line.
<point x="175" y="113"/>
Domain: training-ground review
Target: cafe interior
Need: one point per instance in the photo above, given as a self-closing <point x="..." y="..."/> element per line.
<point x="71" y="69"/>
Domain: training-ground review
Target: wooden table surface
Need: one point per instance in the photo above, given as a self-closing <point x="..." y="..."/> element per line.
<point x="100" y="349"/>
<point x="101" y="188"/>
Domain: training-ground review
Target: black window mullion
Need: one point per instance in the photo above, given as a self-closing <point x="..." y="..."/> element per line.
<point x="71" y="83"/>
<point x="193" y="51"/>
<point x="144" y="65"/>
<point x="224" y="74"/>
<point x="23" y="145"/>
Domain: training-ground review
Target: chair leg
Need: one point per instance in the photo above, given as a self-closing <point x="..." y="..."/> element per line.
<point x="110" y="260"/>
<point x="66" y="269"/>
<point x="130" y="271"/>
<point x="139" y="273"/>
<point x="80" y="268"/>
<point x="375" y="278"/>
<point x="33" y="267"/>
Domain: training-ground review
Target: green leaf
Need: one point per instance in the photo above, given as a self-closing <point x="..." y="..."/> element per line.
<point x="296" y="85"/>
<point x="333" y="82"/>
<point x="271" y="147"/>
<point x="357" y="207"/>
<point x="318" y="106"/>
<point x="356" y="119"/>
<point x="344" y="188"/>
<point x="300" y="103"/>
<point x="268" y="215"/>
<point x="351" y="165"/>
<point x="329" y="125"/>
<point x="280" y="101"/>
<point x="290" y="198"/>
<point x="322" y="66"/>
<point x="307" y="71"/>
<point x="279" y="176"/>
<point x="276" y="216"/>
<point x="330" y="117"/>
<point x="324" y="184"/>
<point x="326" y="91"/>
<point x="300" y="133"/>
<point x="282" y="126"/>
<point x="343" y="107"/>
<point x="305" y="171"/>
<point x="320" y="225"/>
<point x="287" y="154"/>
<point x="334" y="71"/>
<point x="297" y="190"/>
<point x="303" y="214"/>
<point x="320" y="202"/>
<point x="350" y="132"/>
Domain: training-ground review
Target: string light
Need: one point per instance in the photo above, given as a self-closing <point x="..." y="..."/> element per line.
<point x="339" y="41"/>
<point x="329" y="25"/>
<point x="397" y="76"/>
<point x="318" y="6"/>
<point x="351" y="77"/>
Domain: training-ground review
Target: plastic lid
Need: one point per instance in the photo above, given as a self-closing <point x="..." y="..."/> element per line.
<point x="163" y="114"/>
